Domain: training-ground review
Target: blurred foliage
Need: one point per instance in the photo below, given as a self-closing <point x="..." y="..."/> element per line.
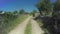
<point x="7" y="18"/>
<point x="49" y="23"/>
<point x="56" y="7"/>
<point x="44" y="6"/>
<point x="34" y="11"/>
<point x="10" y="20"/>
<point x="15" y="12"/>
<point x="22" y="11"/>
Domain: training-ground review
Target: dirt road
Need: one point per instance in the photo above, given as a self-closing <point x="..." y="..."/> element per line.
<point x="35" y="28"/>
<point x="20" y="28"/>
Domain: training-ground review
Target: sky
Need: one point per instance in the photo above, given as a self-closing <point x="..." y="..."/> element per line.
<point x="12" y="5"/>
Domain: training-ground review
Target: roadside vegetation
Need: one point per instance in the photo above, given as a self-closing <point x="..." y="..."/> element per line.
<point x="14" y="23"/>
<point x="10" y="20"/>
<point x="49" y="15"/>
<point x="28" y="28"/>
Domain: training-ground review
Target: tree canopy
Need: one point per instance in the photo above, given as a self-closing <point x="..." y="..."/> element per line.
<point x="15" y="12"/>
<point x="44" y="6"/>
<point x="22" y="12"/>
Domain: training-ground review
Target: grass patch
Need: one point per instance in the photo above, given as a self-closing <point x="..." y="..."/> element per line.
<point x="28" y="28"/>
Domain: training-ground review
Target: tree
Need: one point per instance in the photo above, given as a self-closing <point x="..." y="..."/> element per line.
<point x="44" y="6"/>
<point x="56" y="7"/>
<point x="34" y="11"/>
<point x="22" y="12"/>
<point x="15" y="12"/>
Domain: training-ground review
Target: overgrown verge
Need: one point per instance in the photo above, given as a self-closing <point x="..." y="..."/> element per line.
<point x="28" y="28"/>
<point x="16" y="22"/>
<point x="11" y="21"/>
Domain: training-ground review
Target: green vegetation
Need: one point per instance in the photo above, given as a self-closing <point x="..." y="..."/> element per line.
<point x="34" y="11"/>
<point x="15" y="12"/>
<point x="28" y="28"/>
<point x="44" y="6"/>
<point x="10" y="21"/>
<point x="16" y="21"/>
<point x="22" y="12"/>
<point x="56" y="7"/>
<point x="49" y="10"/>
